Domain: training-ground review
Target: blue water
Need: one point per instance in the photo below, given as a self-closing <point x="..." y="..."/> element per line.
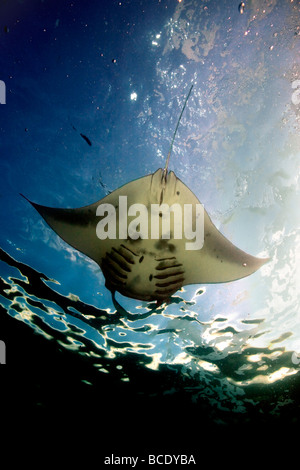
<point x="117" y="72"/>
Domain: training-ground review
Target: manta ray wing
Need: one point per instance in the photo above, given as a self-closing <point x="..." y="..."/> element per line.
<point x="218" y="260"/>
<point x="77" y="227"/>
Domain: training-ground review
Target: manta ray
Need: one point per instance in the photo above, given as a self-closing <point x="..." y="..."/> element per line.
<point x="145" y="267"/>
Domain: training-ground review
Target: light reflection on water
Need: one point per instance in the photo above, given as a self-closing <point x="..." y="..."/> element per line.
<point x="219" y="358"/>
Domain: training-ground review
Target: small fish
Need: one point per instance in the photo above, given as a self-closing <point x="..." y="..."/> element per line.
<point x="86" y="139"/>
<point x="82" y="135"/>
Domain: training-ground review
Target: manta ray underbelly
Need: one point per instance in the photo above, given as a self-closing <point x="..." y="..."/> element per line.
<point x="145" y="247"/>
<point x="142" y="274"/>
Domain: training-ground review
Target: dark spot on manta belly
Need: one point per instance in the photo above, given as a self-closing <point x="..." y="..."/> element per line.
<point x="141" y="259"/>
<point x="150" y="277"/>
<point x="165" y="245"/>
<point x="134" y="241"/>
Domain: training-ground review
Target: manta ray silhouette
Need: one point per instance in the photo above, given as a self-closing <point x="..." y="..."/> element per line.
<point x="143" y="267"/>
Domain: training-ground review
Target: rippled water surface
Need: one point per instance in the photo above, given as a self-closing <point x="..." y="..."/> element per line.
<point x="117" y="73"/>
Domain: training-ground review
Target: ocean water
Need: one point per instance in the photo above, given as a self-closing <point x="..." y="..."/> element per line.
<point x="93" y="91"/>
